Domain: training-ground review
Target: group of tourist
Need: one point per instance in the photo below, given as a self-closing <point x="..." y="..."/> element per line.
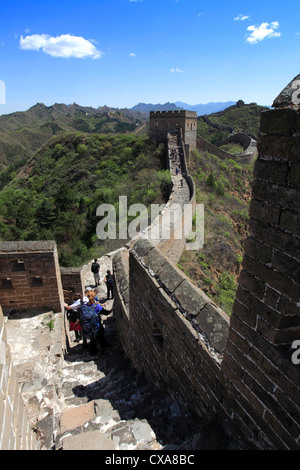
<point x="84" y="314"/>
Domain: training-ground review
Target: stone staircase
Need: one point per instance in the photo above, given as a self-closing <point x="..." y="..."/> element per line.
<point x="104" y="404"/>
<point x="83" y="402"/>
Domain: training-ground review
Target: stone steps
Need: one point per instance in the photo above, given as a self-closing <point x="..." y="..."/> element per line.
<point x="104" y="404"/>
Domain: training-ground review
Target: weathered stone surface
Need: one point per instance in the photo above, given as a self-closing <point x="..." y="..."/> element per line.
<point x="142" y="247"/>
<point x="77" y="416"/>
<point x="170" y="277"/>
<point x="290" y="95"/>
<point x="93" y="440"/>
<point x="214" y="326"/>
<point x="190" y="298"/>
<point x="154" y="259"/>
<point x="280" y="121"/>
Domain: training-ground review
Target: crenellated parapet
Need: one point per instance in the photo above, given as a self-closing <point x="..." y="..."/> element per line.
<point x="163" y="122"/>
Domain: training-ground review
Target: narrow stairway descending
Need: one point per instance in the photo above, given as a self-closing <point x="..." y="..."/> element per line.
<point x="104" y="404"/>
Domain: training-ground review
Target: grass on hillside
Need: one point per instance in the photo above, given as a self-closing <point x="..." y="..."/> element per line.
<point x="224" y="187"/>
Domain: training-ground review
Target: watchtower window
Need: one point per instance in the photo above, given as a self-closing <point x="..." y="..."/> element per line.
<point x="18" y="265"/>
<point x="6" y="283"/>
<point x="36" y="281"/>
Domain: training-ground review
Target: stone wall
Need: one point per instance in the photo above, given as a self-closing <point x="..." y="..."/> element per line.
<point x="30" y="276"/>
<point x="171" y="329"/>
<point x="15" y="429"/>
<point x="248" y="155"/>
<point x="266" y="313"/>
<point x="242" y="372"/>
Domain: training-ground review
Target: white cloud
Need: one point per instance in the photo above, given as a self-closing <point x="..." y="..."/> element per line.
<point x="61" y="46"/>
<point x="132" y="54"/>
<point x="265" y="30"/>
<point x="241" y="18"/>
<point x="177" y="70"/>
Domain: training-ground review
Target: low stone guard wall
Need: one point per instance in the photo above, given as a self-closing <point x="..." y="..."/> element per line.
<point x="248" y="155"/>
<point x="172" y="331"/>
<point x="15" y="429"/>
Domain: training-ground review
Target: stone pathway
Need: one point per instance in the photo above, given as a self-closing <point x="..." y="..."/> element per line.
<point x="105" y="404"/>
<point x="90" y="402"/>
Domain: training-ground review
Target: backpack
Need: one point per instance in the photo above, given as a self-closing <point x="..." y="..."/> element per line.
<point x="89" y="321"/>
<point x="109" y="280"/>
<point x="72" y="315"/>
<point x="95" y="268"/>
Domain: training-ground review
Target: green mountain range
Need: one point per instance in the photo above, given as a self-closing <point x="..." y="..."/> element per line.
<point x="23" y="133"/>
<point x="59" y="163"/>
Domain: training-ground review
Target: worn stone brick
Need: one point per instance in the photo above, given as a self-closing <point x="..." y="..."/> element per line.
<point x="276" y="238"/>
<point x="295" y="174"/>
<point x="274" y="279"/>
<point x="290" y="221"/>
<point x="276" y="194"/>
<point x="170" y="276"/>
<point x="258" y="250"/>
<point x="271" y="171"/>
<point x="190" y="298"/>
<point x="246" y="314"/>
<point x="214" y="325"/>
<point x="282" y="147"/>
<point x="288" y="335"/>
<point x="280" y="121"/>
<point x="265" y="211"/>
<point x="287" y="265"/>
<point x="251" y="283"/>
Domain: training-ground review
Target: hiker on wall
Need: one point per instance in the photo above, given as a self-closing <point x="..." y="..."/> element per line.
<point x="95" y="268"/>
<point x="91" y="324"/>
<point x="109" y="284"/>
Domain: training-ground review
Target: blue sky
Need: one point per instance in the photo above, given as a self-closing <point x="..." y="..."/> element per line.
<point x="122" y="52"/>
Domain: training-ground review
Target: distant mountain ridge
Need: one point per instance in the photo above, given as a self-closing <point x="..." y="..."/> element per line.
<point x="208" y="108"/>
<point x="201" y="109"/>
<point x="146" y="108"/>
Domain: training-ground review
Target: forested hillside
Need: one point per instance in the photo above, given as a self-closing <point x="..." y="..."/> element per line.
<point x="23" y="133"/>
<point x="61" y="162"/>
<point x="54" y="196"/>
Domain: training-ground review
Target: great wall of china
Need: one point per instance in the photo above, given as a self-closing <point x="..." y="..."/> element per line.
<point x="238" y="370"/>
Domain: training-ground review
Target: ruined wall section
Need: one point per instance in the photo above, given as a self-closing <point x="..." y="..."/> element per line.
<point x="15" y="428"/>
<point x="72" y="283"/>
<point x="30" y="276"/>
<point x="247" y="156"/>
<point x="266" y="313"/>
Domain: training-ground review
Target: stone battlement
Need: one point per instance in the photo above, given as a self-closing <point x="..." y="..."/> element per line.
<point x="162" y="123"/>
<point x="175" y="113"/>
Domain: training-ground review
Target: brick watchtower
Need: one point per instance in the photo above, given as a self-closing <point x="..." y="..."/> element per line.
<point x="164" y="122"/>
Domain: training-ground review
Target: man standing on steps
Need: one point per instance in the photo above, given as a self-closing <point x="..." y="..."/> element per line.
<point x="95" y="268"/>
